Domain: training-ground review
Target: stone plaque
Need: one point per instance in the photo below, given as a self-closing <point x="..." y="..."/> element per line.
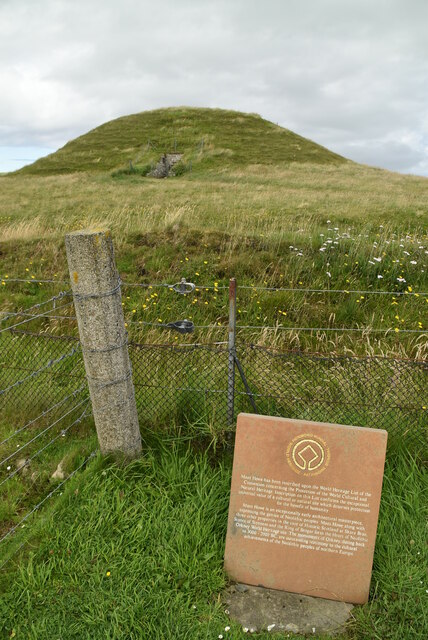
<point x="304" y="506"/>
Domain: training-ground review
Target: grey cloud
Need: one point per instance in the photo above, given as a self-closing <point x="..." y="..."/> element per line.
<point x="352" y="76"/>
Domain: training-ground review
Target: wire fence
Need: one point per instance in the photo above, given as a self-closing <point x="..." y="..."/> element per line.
<point x="43" y="404"/>
<point x="190" y="382"/>
<point x="44" y="396"/>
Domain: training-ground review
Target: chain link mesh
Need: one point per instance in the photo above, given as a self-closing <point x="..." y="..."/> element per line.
<point x="189" y="383"/>
<point x="22" y="353"/>
<point x="371" y="392"/>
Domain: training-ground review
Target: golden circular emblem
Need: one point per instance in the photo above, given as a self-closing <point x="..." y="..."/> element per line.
<point x="308" y="454"/>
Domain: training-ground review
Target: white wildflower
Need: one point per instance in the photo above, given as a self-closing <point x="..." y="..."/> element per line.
<point x="379" y="276"/>
<point x="270" y="627"/>
<point x="328" y="273"/>
<point x="413" y="262"/>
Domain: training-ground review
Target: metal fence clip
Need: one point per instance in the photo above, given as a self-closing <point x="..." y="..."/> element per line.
<point x="182" y="326"/>
<point x="183" y="286"/>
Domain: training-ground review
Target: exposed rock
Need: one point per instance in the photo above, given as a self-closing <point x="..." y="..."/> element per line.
<point x="22" y="465"/>
<point x="58" y="474"/>
<point x="164" y="167"/>
<point x="257" y="608"/>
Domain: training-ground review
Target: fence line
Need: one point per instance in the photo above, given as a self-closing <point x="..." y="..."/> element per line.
<point x="32" y="315"/>
<point x="61" y="434"/>
<point x="35" y="306"/>
<point x="37" y="507"/>
<point x="41" y="433"/>
<point x="167" y="325"/>
<point x="43" y="414"/>
<point x="154" y="285"/>
<point x="50" y="364"/>
<point x="40" y="315"/>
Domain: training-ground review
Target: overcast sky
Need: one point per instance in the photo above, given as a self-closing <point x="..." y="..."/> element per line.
<point x="349" y="74"/>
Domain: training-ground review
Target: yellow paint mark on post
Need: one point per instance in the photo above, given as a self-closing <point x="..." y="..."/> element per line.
<point x="75" y="277"/>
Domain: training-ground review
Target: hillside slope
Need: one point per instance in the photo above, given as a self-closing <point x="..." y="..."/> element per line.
<point x="207" y="138"/>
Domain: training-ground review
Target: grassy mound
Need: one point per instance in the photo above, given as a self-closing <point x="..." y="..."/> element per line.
<point x="207" y="138"/>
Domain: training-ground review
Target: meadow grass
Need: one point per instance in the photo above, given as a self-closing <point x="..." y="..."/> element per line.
<point x="300" y="226"/>
<point x="259" y="204"/>
<point x="137" y="552"/>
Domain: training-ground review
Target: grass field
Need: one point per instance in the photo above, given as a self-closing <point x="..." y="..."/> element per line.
<point x="254" y="202"/>
<point x="137" y="552"/>
<point x="210" y="227"/>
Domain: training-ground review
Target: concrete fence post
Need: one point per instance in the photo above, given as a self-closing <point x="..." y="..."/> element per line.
<point x="96" y="291"/>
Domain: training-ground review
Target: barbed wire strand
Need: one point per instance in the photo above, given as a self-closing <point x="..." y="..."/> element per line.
<point x="39" y="315"/>
<point x="368" y="330"/>
<point x="12" y="314"/>
<point x="15" y="527"/>
<point x="61" y="434"/>
<point x="50" y="364"/>
<point x="272" y="328"/>
<point x="165" y="285"/>
<point x="39" y="435"/>
<point x="34" y="280"/>
<point x="31" y="315"/>
<point x="43" y="414"/>
<point x="289" y="289"/>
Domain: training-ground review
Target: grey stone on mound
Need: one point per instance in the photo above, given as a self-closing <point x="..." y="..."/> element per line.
<point x="164" y="167"/>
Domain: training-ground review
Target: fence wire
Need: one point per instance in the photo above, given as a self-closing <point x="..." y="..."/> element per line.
<point x="190" y="382"/>
<point x="371" y="392"/>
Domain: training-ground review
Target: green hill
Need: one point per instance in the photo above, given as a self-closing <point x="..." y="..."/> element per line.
<point x="207" y="138"/>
